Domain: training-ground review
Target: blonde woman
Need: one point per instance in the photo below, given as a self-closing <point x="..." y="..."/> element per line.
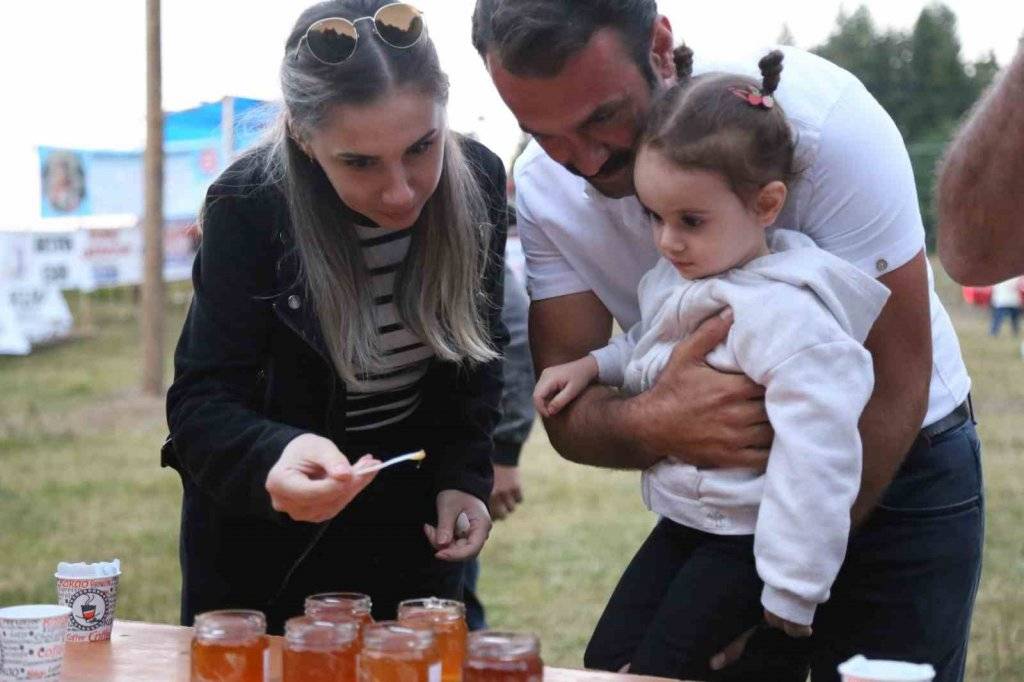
<point x="347" y="307"/>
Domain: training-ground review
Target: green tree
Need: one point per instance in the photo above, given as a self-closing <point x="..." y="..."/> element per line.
<point x="940" y="87"/>
<point x="785" y="36"/>
<point x="880" y="60"/>
<point x="983" y="72"/>
<point x="852" y="43"/>
<point x="919" y="77"/>
<point x="925" y="153"/>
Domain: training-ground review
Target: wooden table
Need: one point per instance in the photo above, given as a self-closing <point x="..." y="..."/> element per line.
<point x="145" y="652"/>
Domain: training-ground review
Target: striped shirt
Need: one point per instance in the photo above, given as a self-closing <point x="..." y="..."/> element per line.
<point x="392" y="393"/>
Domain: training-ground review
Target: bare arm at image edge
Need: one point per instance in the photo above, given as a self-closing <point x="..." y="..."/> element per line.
<point x="980" y="190"/>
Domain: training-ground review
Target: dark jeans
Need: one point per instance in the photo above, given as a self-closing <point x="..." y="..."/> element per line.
<point x="907" y="588"/>
<point x="905" y="592"/>
<point x="686" y="595"/>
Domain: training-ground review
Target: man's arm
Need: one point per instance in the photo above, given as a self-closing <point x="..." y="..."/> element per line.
<point x="981" y="188"/>
<point x="901" y="348"/>
<point x="693" y="412"/>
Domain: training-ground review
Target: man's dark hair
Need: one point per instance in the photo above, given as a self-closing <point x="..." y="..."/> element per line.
<point x="534" y="38"/>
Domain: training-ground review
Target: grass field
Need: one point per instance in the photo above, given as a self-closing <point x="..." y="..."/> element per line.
<point x="79" y="480"/>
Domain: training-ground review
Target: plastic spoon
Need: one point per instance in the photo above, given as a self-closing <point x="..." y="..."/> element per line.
<point x="411" y="457"/>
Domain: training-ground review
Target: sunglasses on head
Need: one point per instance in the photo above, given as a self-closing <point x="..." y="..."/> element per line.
<point x="334" y="39"/>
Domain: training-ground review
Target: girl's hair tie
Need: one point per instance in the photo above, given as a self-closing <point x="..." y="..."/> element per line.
<point x="754" y="97"/>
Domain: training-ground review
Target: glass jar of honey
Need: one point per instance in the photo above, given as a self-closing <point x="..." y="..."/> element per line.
<point x="340" y="606"/>
<point x="447" y="619"/>
<point x="230" y="646"/>
<point x="503" y="657"/>
<point x="319" y="650"/>
<point x="395" y="653"/>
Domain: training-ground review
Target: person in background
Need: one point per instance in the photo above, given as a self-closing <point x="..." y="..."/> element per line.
<point x="1006" y="304"/>
<point x="980" y="190"/>
<point x="517" y="413"/>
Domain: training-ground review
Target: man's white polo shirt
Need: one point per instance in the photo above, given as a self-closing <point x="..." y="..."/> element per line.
<point x="856" y="198"/>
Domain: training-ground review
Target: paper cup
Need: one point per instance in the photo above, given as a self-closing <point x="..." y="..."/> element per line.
<point x="32" y="642"/>
<point x="860" y="669"/>
<point x="92" y="601"/>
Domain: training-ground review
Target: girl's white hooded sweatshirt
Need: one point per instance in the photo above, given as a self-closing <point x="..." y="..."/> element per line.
<point x="801" y="317"/>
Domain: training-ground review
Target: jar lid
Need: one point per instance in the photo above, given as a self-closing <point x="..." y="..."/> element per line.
<point x="232" y="626"/>
<point x="502" y="646"/>
<point x="353" y="602"/>
<point x="392" y="636"/>
<point x="306" y="633"/>
<point x="438" y="610"/>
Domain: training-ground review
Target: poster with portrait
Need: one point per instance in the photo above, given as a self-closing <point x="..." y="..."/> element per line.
<point x="64" y="178"/>
<point x="105" y="182"/>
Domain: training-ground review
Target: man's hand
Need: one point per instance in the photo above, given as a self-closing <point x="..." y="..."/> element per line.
<point x="507" y="493"/>
<point x="700" y="415"/>
<point x="732" y="652"/>
<point x="313" y="481"/>
<point x="789" y="627"/>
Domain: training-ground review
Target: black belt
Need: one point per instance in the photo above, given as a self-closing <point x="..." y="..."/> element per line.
<point x="958" y="416"/>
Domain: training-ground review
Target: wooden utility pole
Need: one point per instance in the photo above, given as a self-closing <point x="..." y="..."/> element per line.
<point x="152" y="318"/>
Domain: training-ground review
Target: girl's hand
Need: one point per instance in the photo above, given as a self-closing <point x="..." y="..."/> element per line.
<point x="790" y="628"/>
<point x="463" y="525"/>
<point x="313" y="481"/>
<point x="559" y="384"/>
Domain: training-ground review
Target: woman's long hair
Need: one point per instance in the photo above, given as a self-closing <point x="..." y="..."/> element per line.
<point x="438" y="289"/>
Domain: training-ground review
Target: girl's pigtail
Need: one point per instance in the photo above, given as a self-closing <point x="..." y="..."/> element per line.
<point x="683" y="58"/>
<point x="771" y="71"/>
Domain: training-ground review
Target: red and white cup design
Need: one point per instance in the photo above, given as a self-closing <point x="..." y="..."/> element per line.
<point x="32" y="642"/>
<point x="92" y="601"/>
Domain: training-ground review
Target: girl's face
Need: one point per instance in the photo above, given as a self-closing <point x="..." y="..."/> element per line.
<point x="384" y="159"/>
<point x="700" y="225"/>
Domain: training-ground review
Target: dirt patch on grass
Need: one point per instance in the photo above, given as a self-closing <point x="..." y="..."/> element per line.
<point x="128" y="408"/>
